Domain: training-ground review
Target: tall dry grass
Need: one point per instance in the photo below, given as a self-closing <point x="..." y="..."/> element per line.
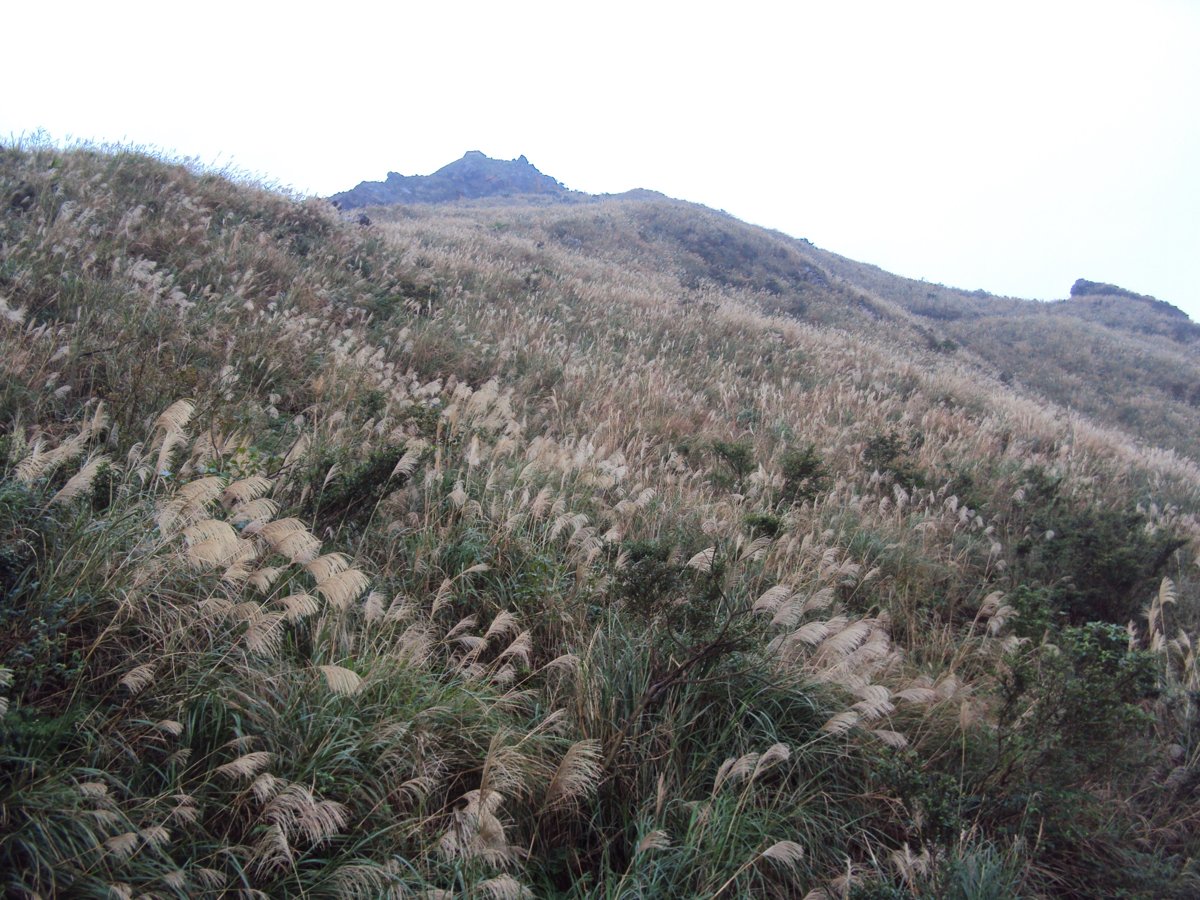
<point x="400" y="560"/>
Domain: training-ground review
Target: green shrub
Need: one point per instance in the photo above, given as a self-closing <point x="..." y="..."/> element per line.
<point x="764" y="524"/>
<point x="351" y="496"/>
<point x="737" y="457"/>
<point x="1071" y="708"/>
<point x="1096" y="564"/>
<point x="887" y="452"/>
<point x="804" y="473"/>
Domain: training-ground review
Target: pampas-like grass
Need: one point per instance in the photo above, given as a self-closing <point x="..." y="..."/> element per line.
<point x="291" y="538"/>
<point x="786" y="853"/>
<point x="653" y="840"/>
<point x="504" y="887"/>
<point x="137" y="678"/>
<point x="477" y="831"/>
<point x="189" y="503"/>
<point x="327" y="565"/>
<point x="341" y="680"/>
<point x="6" y="677"/>
<point x="253" y="514"/>
<point x="245" y="766"/>
<point x="297" y="607"/>
<point x="297" y="810"/>
<point x="243" y="491"/>
<point x="212" y="543"/>
<point x="576" y="776"/>
<point x="81" y="482"/>
<point x="170" y="428"/>
<point x="122" y="845"/>
<point x="343" y="588"/>
<point x="585" y="449"/>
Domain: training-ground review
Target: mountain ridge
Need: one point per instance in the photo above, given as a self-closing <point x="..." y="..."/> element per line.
<point x="1125" y="359"/>
<point x="476" y="176"/>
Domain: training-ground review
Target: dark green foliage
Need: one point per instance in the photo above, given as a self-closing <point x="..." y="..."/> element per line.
<point x="737" y="457"/>
<point x="883" y="450"/>
<point x="650" y="576"/>
<point x="1037" y="614"/>
<point x="934" y="800"/>
<point x="352" y="495"/>
<point x="42" y="640"/>
<point x="1078" y="846"/>
<point x="887" y="452"/>
<point x="691" y="625"/>
<point x="1097" y="564"/>
<point x="41" y="630"/>
<point x="804" y="473"/>
<point x="20" y="536"/>
<point x="1071" y="708"/>
<point x="764" y="525"/>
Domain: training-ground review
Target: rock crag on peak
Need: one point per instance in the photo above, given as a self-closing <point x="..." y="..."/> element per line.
<point x="472" y="177"/>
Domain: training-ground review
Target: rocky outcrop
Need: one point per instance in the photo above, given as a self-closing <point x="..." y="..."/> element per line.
<point x="472" y="177"/>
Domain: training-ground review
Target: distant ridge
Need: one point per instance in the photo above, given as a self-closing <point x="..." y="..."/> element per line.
<point x="1084" y="288"/>
<point x="470" y="178"/>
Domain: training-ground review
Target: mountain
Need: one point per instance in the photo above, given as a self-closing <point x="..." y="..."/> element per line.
<point x="592" y="549"/>
<point x="1129" y="361"/>
<point x="472" y="177"/>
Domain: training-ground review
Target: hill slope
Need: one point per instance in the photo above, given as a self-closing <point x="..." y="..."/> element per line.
<point x="1127" y="360"/>
<point x="461" y="555"/>
<point x="1123" y="359"/>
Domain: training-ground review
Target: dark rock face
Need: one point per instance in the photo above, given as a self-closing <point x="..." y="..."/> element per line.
<point x="469" y="178"/>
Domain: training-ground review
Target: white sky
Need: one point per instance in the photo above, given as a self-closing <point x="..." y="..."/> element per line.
<point x="1012" y="146"/>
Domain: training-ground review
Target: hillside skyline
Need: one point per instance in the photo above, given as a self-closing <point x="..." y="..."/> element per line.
<point x="476" y="176"/>
<point x="1012" y="149"/>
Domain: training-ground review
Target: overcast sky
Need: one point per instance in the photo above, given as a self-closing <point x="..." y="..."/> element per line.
<point x="1012" y="146"/>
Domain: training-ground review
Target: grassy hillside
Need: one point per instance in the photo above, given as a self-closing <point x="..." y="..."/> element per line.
<point x="501" y="553"/>
<point x="1129" y="362"/>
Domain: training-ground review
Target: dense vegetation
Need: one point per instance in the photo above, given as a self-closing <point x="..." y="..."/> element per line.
<point x="460" y="556"/>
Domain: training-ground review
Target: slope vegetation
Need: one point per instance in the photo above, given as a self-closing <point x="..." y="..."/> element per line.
<point x="543" y="553"/>
<point x="1129" y="361"/>
<point x="1121" y="358"/>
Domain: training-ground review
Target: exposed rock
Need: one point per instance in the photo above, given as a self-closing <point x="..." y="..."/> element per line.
<point x="469" y="178"/>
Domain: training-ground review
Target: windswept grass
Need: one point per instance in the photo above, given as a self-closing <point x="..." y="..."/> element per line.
<point x="438" y="559"/>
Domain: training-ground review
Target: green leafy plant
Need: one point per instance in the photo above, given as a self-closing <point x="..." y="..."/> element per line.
<point x="804" y="473"/>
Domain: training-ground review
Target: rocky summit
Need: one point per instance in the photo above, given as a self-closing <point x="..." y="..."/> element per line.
<point x="472" y="177"/>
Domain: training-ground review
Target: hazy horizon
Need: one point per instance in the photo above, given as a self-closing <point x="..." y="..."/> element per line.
<point x="1011" y="148"/>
